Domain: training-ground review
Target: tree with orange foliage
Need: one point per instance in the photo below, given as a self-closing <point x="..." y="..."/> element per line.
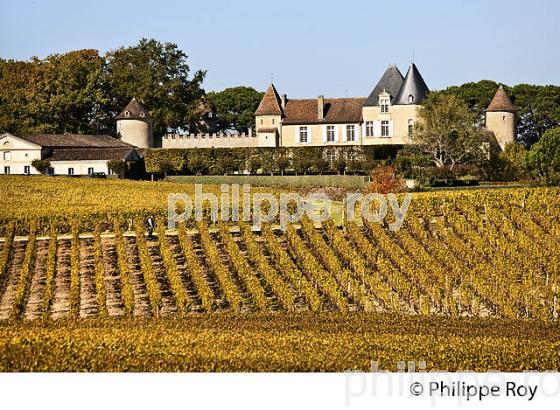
<point x="386" y="179"/>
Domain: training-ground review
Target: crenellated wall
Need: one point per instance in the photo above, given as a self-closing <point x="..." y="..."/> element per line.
<point x="218" y="140"/>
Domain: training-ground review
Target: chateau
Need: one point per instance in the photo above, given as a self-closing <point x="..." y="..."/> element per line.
<point x="385" y="117"/>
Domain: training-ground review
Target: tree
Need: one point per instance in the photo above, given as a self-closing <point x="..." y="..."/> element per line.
<point x="61" y="93"/>
<point x="515" y="156"/>
<point x="282" y="163"/>
<point x="447" y="133"/>
<point x="385" y="179"/>
<point x="321" y="165"/>
<point x="117" y="166"/>
<point x="158" y="75"/>
<point x="254" y="164"/>
<point x="544" y="156"/>
<point x="41" y="165"/>
<point x="538" y="110"/>
<point x="236" y="106"/>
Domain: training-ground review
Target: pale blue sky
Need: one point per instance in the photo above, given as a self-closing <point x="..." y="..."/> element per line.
<point x="335" y="48"/>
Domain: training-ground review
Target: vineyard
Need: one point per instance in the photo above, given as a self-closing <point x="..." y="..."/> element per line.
<point x="459" y="258"/>
<point x="501" y="263"/>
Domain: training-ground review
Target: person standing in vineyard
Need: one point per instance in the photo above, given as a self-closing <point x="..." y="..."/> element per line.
<point x="151" y="225"/>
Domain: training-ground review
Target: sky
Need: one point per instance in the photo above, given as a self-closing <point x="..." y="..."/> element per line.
<point x="333" y="48"/>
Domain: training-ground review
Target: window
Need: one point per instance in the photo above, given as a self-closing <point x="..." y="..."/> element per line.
<point x="7" y="155"/>
<point x="303" y="134"/>
<point x="90" y="171"/>
<point x="27" y="170"/>
<point x="273" y="121"/>
<point x="262" y="121"/>
<point x="384" y="128"/>
<point x="410" y="127"/>
<point x="384" y="103"/>
<point x="7" y="170"/>
<point x="350" y="133"/>
<point x="369" y="128"/>
<point x="330" y="133"/>
<point x="410" y="98"/>
<point x="70" y="171"/>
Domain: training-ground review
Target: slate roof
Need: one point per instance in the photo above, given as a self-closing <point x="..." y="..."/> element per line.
<point x="270" y="103"/>
<point x="73" y="140"/>
<point x="501" y="101"/>
<point x="133" y="111"/>
<point x="337" y="110"/>
<point x="93" y="154"/>
<point x="391" y="81"/>
<point x="413" y="85"/>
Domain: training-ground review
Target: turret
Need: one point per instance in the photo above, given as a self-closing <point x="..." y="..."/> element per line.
<point x="268" y="118"/>
<point x="134" y="125"/>
<point x="500" y="118"/>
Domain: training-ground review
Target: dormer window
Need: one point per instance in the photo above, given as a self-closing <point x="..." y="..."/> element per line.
<point x="410" y="98"/>
<point x="142" y="114"/>
<point x="127" y="113"/>
<point x="384" y="103"/>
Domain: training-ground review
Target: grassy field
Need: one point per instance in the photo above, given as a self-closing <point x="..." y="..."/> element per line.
<point x="470" y="281"/>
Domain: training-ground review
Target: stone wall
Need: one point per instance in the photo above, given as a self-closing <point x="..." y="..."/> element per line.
<point x="219" y="140"/>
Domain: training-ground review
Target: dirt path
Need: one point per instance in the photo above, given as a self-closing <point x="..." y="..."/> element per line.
<point x="168" y="303"/>
<point x="210" y="276"/>
<point x="34" y="308"/>
<point x="88" y="302"/>
<point x="61" y="298"/>
<point x="141" y="299"/>
<point x="12" y="280"/>
<point x="175" y="247"/>
<point x="113" y="284"/>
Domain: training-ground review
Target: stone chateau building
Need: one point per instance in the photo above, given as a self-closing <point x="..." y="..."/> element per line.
<point x="385" y="117"/>
<point x="77" y="154"/>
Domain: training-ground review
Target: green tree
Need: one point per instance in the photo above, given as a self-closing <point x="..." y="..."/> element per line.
<point x="157" y="74"/>
<point x="236" y="106"/>
<point x="282" y="163"/>
<point x="41" y="165"/>
<point x="544" y="156"/>
<point x="117" y="166"/>
<point x="61" y="93"/>
<point x="446" y="132"/>
<point x="538" y="110"/>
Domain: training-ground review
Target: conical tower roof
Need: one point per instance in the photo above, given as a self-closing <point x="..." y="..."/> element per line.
<point x="391" y="82"/>
<point x="270" y="103"/>
<point x="501" y="101"/>
<point x="133" y="111"/>
<point x="414" y="89"/>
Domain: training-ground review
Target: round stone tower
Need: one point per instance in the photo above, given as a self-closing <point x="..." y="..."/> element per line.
<point x="134" y="125"/>
<point x="500" y="118"/>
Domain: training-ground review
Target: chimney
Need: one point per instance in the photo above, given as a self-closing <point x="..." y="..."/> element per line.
<point x="320" y="107"/>
<point x="283" y="99"/>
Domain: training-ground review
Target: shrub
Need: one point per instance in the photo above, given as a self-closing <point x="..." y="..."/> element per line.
<point x="386" y="179"/>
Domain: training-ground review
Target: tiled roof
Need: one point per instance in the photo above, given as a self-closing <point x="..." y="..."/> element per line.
<point x="270" y="103"/>
<point x="337" y="110"/>
<point x="267" y="130"/>
<point x="133" y="111"/>
<point x="391" y="82"/>
<point x="73" y="140"/>
<point x="501" y="102"/>
<point x="92" y="154"/>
